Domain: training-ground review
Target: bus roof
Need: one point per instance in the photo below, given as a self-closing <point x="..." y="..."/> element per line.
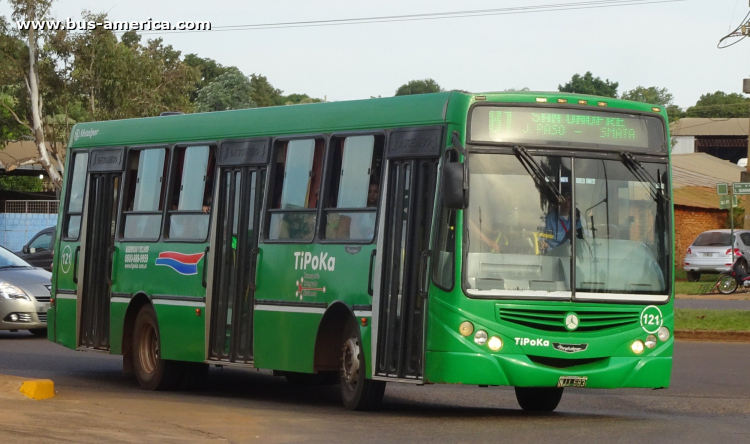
<point x="390" y="112"/>
<point x="414" y="110"/>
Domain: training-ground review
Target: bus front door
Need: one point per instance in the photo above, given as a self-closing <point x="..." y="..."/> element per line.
<point x="98" y="248"/>
<point x="235" y="243"/>
<point x="404" y="236"/>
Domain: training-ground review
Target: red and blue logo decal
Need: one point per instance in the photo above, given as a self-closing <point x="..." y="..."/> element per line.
<point x="186" y="264"/>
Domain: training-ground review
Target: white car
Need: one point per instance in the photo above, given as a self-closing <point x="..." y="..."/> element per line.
<point x="711" y="252"/>
<point x="24" y="295"/>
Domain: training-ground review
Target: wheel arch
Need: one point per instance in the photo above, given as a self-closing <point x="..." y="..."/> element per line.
<point x="136" y="303"/>
<point x="328" y="338"/>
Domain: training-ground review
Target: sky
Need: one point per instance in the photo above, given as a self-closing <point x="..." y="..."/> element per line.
<point x="670" y="45"/>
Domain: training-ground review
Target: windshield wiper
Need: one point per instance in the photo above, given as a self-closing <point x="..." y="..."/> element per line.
<point x="536" y="172"/>
<point x="640" y="172"/>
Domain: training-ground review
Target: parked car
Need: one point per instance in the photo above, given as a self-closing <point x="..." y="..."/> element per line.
<point x="39" y="250"/>
<point x="711" y="252"/>
<point x="24" y="295"/>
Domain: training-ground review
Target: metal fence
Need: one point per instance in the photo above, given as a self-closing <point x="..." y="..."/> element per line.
<point x="22" y="219"/>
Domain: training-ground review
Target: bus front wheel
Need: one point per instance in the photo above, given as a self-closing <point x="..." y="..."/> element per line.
<point x="153" y="373"/>
<point x="357" y="392"/>
<point x="538" y="399"/>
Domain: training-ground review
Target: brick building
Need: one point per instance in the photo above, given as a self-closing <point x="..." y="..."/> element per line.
<point x="696" y="204"/>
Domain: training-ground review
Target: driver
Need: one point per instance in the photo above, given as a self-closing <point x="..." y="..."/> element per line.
<point x="557" y="223"/>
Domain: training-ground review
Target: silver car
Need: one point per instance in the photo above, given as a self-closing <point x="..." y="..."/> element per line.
<point x="24" y="295"/>
<point x="711" y="252"/>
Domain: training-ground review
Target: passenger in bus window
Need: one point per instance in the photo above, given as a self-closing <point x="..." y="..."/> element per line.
<point x="363" y="224"/>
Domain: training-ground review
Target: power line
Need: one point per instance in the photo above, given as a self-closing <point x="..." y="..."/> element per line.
<point x="600" y="4"/>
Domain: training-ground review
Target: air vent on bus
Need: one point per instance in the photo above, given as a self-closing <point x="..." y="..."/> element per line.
<point x="562" y="362"/>
<point x="554" y="319"/>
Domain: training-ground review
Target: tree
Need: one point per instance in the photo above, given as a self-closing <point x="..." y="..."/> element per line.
<point x="264" y="94"/>
<point x="26" y="72"/>
<point x="209" y="70"/>
<point x="293" y="99"/>
<point x="231" y="90"/>
<point x="652" y="94"/>
<point x="588" y="84"/>
<point x="425" y="86"/>
<point x="720" y="105"/>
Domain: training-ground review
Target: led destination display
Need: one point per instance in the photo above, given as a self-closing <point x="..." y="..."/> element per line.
<point x="566" y="127"/>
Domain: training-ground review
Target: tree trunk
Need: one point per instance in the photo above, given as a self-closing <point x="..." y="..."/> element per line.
<point x="36" y="109"/>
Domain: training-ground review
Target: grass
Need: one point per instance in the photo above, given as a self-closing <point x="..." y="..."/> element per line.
<point x="723" y="320"/>
<point x="704" y="285"/>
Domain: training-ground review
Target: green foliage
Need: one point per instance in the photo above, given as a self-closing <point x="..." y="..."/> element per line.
<point x="588" y="84"/>
<point x="675" y="113"/>
<point x="652" y="94"/>
<point x="264" y="94"/>
<point x="738" y="213"/>
<point x="293" y="99"/>
<point x="720" y="105"/>
<point x="209" y="70"/>
<point x="29" y="184"/>
<point x="231" y="90"/>
<point x="425" y="86"/>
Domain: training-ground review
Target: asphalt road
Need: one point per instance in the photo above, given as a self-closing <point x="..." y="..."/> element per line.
<point x="708" y="402"/>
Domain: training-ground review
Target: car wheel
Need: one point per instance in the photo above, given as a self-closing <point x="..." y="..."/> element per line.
<point x="39" y="332"/>
<point x="693" y="276"/>
<point x="357" y="392"/>
<point x="153" y="373"/>
<point x="539" y="399"/>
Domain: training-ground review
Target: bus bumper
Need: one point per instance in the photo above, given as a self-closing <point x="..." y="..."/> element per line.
<point x="519" y="370"/>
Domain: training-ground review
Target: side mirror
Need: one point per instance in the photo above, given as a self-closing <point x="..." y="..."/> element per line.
<point x="454" y="195"/>
<point x="25" y="249"/>
<point x="32" y="250"/>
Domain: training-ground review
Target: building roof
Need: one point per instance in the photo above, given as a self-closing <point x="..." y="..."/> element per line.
<point x="694" y="179"/>
<point x="691" y="126"/>
<point x="18" y="153"/>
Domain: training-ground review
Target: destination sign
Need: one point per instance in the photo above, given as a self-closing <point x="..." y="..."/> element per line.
<point x="567" y="127"/>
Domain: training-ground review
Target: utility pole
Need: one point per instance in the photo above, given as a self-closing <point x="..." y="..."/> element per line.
<point x="745" y="176"/>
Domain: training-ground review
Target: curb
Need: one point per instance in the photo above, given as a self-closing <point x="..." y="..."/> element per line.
<point x="38" y="389"/>
<point x="713" y="335"/>
<point x="18" y="387"/>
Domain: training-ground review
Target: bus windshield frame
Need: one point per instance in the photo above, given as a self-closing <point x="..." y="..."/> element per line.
<point x="618" y="216"/>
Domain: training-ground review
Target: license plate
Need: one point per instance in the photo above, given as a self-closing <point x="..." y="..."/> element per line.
<point x="572" y="381"/>
<point x="707" y="254"/>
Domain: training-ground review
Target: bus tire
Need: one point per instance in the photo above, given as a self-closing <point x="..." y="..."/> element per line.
<point x="153" y="373"/>
<point x="357" y="392"/>
<point x="539" y="399"/>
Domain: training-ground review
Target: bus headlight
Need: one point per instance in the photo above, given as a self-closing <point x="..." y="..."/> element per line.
<point x="663" y="334"/>
<point x="651" y="341"/>
<point x="480" y="337"/>
<point x="466" y="328"/>
<point x="495" y="343"/>
<point x="637" y="347"/>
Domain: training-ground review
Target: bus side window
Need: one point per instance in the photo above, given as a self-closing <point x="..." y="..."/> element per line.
<point x="74" y="210"/>
<point x="144" y="193"/>
<point x="190" y="201"/>
<point x="296" y="184"/>
<point x="353" y="187"/>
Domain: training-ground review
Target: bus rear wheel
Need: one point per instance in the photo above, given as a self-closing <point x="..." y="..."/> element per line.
<point x="357" y="392"/>
<point x="153" y="373"/>
<point x="539" y="399"/>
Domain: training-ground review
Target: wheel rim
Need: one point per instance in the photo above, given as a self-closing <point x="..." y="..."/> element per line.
<point x="350" y="362"/>
<point x="148" y="350"/>
<point x="726" y="284"/>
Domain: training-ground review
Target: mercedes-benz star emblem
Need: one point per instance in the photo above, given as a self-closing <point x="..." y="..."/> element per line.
<point x="571" y="321"/>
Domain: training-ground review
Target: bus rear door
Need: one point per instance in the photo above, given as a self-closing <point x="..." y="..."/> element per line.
<point x="98" y="247"/>
<point x="234" y="243"/>
<point x="403" y="251"/>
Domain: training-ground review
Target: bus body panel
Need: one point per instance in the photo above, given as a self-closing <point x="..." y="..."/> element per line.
<point x="296" y="283"/>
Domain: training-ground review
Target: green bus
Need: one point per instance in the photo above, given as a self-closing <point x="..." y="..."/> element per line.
<point x="506" y="239"/>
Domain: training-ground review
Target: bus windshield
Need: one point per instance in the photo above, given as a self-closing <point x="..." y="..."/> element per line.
<point x="525" y="213"/>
